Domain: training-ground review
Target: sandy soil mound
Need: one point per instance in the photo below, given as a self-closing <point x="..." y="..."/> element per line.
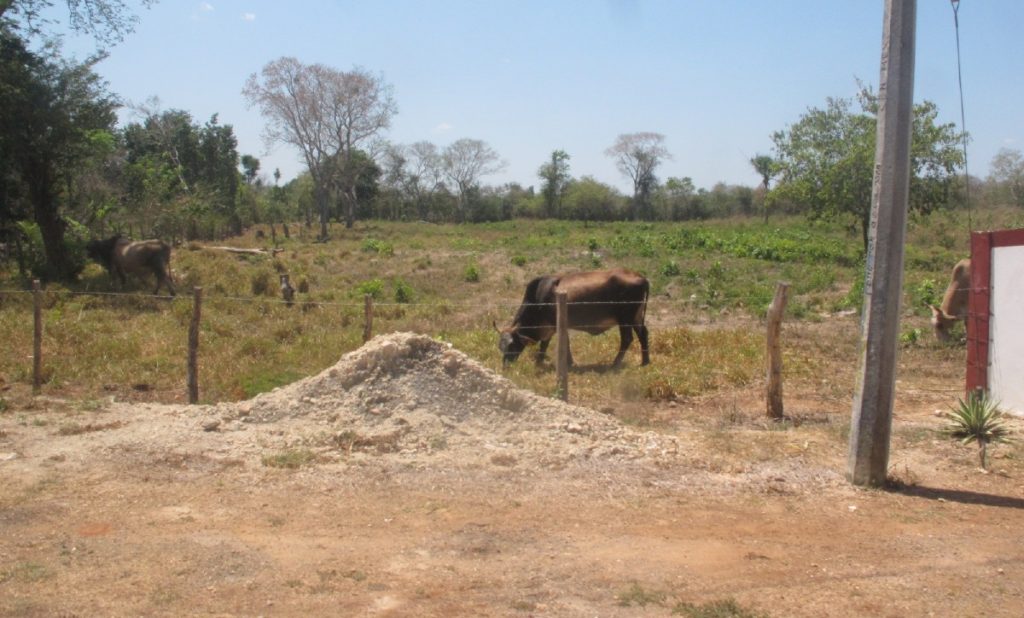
<point x="408" y="396"/>
<point x="405" y="402"/>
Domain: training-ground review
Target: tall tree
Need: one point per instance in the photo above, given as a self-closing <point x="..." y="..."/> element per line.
<point x="251" y="169"/>
<point x="182" y="177"/>
<point x="826" y="159"/>
<point x="592" y="200"/>
<point x="464" y="162"/>
<point x="425" y="174"/>
<point x="50" y="112"/>
<point x="107" y="21"/>
<point x="637" y="155"/>
<point x="1007" y="176"/>
<point x="555" y="176"/>
<point x="767" y="169"/>
<point x="327" y="114"/>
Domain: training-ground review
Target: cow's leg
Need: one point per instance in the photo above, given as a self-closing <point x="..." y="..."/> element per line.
<point x="642" y="335"/>
<point x="168" y="278"/>
<point x="163" y="280"/>
<point x="625" y="338"/>
<point x="542" y="350"/>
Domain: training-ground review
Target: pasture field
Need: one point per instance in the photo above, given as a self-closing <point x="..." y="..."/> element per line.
<point x="455" y="282"/>
<point x="115" y="505"/>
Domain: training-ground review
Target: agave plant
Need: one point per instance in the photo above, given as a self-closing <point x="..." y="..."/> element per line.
<point x="978" y="419"/>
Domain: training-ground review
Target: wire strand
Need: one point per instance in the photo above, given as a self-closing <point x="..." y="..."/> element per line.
<point x="963" y="123"/>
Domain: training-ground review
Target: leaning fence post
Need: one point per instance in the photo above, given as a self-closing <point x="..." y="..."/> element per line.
<point x="193" y="346"/>
<point x="562" y="326"/>
<point x="37" y="337"/>
<point x="367" y="318"/>
<point x="774" y="352"/>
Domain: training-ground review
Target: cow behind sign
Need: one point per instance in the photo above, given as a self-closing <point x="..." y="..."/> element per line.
<point x="954" y="302"/>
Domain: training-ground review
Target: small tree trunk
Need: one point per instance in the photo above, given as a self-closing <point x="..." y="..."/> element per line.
<point x="350" y="211"/>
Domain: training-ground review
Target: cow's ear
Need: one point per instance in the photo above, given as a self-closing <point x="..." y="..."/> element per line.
<point x="528" y="340"/>
<point x="935" y="310"/>
<point x="546" y="289"/>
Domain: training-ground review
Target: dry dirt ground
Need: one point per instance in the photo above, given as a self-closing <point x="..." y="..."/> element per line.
<point x="408" y="480"/>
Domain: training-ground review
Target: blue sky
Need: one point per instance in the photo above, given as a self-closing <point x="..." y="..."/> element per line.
<point x="716" y="77"/>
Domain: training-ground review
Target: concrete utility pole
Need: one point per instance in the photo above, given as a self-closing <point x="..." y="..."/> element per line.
<point x="871" y="426"/>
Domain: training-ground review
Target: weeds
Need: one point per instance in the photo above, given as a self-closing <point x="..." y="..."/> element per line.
<point x="637" y="595"/>
<point x="290" y="460"/>
<point x="26" y="572"/>
<point x="726" y="608"/>
<point x="372" y="245"/>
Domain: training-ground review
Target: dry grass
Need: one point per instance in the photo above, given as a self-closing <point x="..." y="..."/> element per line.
<point x="705" y="337"/>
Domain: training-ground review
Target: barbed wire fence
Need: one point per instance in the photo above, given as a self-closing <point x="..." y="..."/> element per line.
<point x="371" y="308"/>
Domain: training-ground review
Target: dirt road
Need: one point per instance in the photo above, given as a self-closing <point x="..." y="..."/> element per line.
<point x="326" y="509"/>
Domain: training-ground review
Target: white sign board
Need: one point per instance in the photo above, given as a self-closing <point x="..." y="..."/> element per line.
<point x="1006" y="329"/>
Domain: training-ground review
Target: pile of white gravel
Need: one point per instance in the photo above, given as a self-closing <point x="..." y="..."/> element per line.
<point x="402" y="402"/>
<point x="409" y="397"/>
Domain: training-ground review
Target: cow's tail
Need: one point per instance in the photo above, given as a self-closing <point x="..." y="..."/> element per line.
<point x="641" y="316"/>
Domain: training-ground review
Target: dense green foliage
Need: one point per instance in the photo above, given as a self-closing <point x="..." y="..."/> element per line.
<point x="826" y="160"/>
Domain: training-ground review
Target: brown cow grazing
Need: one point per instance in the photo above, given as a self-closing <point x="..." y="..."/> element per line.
<point x="954" y="301"/>
<point x="598" y="300"/>
<point x="122" y="257"/>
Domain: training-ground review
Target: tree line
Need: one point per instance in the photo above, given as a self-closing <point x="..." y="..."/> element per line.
<point x="68" y="171"/>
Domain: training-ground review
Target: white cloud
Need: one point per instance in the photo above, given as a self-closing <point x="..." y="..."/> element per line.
<point x="444" y="127"/>
<point x="205" y="7"/>
<point x="248" y="16"/>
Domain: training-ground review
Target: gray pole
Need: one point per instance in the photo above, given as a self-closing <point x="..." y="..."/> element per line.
<point x="870" y="428"/>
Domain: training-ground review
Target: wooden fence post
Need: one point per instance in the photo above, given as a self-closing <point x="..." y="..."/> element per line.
<point x="37" y="337"/>
<point x="774" y="352"/>
<point x="562" y="326"/>
<point x="193" y="346"/>
<point x="367" y="317"/>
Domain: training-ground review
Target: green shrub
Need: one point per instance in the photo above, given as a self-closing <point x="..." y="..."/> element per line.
<point x="471" y="274"/>
<point x="924" y="293"/>
<point x="519" y="260"/>
<point x="372" y="245"/>
<point x="261" y="284"/>
<point x="670" y="269"/>
<point x="373" y="287"/>
<point x="403" y="292"/>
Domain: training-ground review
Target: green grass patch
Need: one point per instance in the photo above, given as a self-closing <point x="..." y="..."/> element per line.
<point x="291" y="459"/>
<point x="726" y="608"/>
<point x="638" y="596"/>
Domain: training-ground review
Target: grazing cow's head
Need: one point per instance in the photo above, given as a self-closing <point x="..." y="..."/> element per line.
<point x="512" y="343"/>
<point x="102" y="251"/>
<point x="942" y="322"/>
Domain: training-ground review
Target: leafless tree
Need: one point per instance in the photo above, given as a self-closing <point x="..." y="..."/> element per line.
<point x="326" y="114"/>
<point x="426" y="174"/>
<point x="464" y="162"/>
<point x="637" y="155"/>
<point x="108" y="22"/>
